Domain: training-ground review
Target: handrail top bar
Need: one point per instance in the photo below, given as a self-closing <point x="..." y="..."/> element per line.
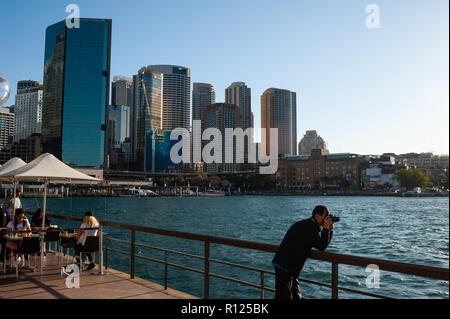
<point x="49" y="230"/>
<point x="394" y="266"/>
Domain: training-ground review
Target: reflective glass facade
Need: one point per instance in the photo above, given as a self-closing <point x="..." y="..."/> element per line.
<point x="158" y="146"/>
<point x="222" y="116"/>
<point x="148" y="110"/>
<point x="279" y="110"/>
<point x="176" y="96"/>
<point x="203" y="95"/>
<point x="119" y="125"/>
<point x="76" y="90"/>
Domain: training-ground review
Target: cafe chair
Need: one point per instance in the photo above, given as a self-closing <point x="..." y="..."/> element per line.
<point x="90" y="246"/>
<point x="30" y="246"/>
<point x="8" y="254"/>
<point x="67" y="243"/>
<point x="51" y="236"/>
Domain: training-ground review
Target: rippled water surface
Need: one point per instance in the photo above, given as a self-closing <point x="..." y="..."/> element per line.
<point x="413" y="230"/>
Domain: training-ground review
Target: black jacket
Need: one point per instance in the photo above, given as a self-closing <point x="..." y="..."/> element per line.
<point x="297" y="244"/>
<point x="37" y="222"/>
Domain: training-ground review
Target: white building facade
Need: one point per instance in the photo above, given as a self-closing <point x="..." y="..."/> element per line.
<point x="28" y="112"/>
<point x="6" y="126"/>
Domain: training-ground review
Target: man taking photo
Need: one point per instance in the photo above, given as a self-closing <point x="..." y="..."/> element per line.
<point x="295" y="248"/>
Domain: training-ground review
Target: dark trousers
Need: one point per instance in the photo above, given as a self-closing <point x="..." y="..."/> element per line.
<point x="286" y="286"/>
<point x="3" y="251"/>
<point x="79" y="248"/>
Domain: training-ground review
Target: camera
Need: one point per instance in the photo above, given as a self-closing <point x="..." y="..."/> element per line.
<point x="334" y="218"/>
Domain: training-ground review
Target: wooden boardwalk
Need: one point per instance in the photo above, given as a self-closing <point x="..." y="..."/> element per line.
<point x="51" y="285"/>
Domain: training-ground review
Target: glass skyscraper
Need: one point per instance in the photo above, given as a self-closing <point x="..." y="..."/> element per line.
<point x="239" y="94"/>
<point x="76" y="91"/>
<point x="122" y="90"/>
<point x="203" y="95"/>
<point x="222" y="116"/>
<point x="119" y="125"/>
<point x="279" y="110"/>
<point x="158" y="152"/>
<point x="176" y="96"/>
<point x="147" y="112"/>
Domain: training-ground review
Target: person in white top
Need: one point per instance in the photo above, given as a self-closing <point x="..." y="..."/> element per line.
<point x="17" y="202"/>
<point x="12" y="206"/>
<point x="89" y="221"/>
<point x="20" y="222"/>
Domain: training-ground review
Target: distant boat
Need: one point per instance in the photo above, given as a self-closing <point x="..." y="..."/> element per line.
<point x="415" y="191"/>
<point x="141" y="192"/>
<point x="212" y="192"/>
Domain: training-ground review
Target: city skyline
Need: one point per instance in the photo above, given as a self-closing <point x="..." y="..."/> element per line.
<point x="366" y="90"/>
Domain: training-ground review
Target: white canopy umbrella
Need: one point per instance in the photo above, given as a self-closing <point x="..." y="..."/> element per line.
<point x="13" y="164"/>
<point x="47" y="168"/>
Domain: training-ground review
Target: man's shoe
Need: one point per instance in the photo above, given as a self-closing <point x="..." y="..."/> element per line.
<point x="91" y="265"/>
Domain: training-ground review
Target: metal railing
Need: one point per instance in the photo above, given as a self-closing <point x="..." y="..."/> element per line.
<point x="334" y="258"/>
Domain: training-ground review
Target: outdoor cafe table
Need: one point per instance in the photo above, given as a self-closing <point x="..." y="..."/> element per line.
<point x="46" y="227"/>
<point x="68" y="235"/>
<point x="17" y="238"/>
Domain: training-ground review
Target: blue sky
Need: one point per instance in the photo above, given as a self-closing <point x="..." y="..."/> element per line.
<point x="365" y="91"/>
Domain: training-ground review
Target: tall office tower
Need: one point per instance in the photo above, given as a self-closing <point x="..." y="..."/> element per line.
<point x="279" y="110"/>
<point x="28" y="109"/>
<point x="76" y="92"/>
<point x="222" y="116"/>
<point x="122" y="90"/>
<point x="203" y="94"/>
<point x="119" y="125"/>
<point x="311" y="140"/>
<point x="27" y="84"/>
<point x="133" y="121"/>
<point x="119" y="121"/>
<point x="239" y="94"/>
<point x="176" y="96"/>
<point x="158" y="149"/>
<point x="148" y="110"/>
<point x="6" y="127"/>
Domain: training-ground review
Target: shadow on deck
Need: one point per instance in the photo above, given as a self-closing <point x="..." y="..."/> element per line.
<point x="51" y="285"/>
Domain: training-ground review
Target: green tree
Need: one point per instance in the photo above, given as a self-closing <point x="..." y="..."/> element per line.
<point x="410" y="178"/>
<point x="215" y="181"/>
<point x="444" y="180"/>
<point x="203" y="176"/>
<point x="225" y="183"/>
<point x="179" y="180"/>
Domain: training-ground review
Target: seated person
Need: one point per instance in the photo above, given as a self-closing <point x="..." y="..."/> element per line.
<point x="36" y="221"/>
<point x="5" y="206"/>
<point x="89" y="221"/>
<point x="20" y="222"/>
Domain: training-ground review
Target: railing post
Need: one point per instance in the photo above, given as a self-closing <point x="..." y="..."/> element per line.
<point x="334" y="280"/>
<point x="133" y="239"/>
<point x="262" y="284"/>
<point x="165" y="270"/>
<point x="206" y="273"/>
<point x="100" y="250"/>
<point x="100" y="253"/>
<point x="106" y="253"/>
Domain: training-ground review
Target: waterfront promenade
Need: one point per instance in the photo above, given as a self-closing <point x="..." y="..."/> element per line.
<point x="50" y="285"/>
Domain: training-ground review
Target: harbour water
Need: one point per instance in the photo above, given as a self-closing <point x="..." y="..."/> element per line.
<point x="413" y="230"/>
